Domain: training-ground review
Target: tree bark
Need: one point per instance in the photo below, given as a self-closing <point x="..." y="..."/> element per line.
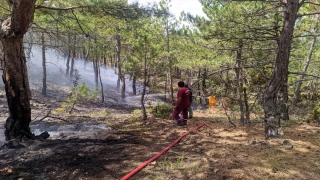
<point x="44" y="67"/>
<point x="69" y="55"/>
<point x="134" y="81"/>
<point x="73" y="56"/>
<point x="145" y="74"/>
<point x="120" y="74"/>
<point x="101" y="84"/>
<point x="199" y="87"/>
<point x="15" y="76"/>
<point x="95" y="64"/>
<point x="169" y="70"/>
<point x="275" y="95"/>
<point x="204" y="86"/>
<point x="239" y="80"/>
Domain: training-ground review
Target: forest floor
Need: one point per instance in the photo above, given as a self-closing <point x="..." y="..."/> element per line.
<point x="108" y="140"/>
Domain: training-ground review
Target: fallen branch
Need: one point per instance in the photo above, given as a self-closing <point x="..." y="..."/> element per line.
<point x="225" y="112"/>
<point x="60" y="118"/>
<point x="45" y="115"/>
<point x="48" y="115"/>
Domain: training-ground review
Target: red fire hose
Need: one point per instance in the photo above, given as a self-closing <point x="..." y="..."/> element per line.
<point x="159" y="154"/>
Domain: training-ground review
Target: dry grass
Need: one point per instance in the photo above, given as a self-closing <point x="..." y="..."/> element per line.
<point x="220" y="151"/>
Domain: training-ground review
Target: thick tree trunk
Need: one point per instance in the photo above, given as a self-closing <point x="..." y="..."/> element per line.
<point x="15" y="76"/>
<point x="275" y="95"/>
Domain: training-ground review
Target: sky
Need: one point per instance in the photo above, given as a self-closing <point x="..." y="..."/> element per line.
<point x="192" y="6"/>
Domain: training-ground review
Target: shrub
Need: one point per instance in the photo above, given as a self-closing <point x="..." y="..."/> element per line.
<point x="78" y="95"/>
<point x="314" y="115"/>
<point x="162" y="110"/>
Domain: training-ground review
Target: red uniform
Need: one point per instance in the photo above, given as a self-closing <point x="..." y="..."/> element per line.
<point x="184" y="94"/>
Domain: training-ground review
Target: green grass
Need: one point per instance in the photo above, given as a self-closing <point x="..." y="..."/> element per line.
<point x="169" y="164"/>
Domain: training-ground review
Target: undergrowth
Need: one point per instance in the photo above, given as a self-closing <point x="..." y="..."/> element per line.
<point x="161" y="110"/>
<point x="78" y="95"/>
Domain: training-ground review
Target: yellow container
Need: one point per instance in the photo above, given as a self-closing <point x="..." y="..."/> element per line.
<point x="212" y="101"/>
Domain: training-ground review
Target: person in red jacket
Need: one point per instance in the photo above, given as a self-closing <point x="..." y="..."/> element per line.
<point x="182" y="105"/>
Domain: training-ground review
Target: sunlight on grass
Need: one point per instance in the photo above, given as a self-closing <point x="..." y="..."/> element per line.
<point x="128" y="129"/>
<point x="303" y="146"/>
<point x="191" y="168"/>
<point x="168" y="164"/>
<point x="104" y="113"/>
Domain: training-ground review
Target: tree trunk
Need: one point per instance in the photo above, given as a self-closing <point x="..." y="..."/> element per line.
<point x="123" y="87"/>
<point x="275" y="94"/>
<point x="15" y="76"/>
<point x="134" y="87"/>
<point x="239" y="80"/>
<point x="105" y="59"/>
<point x="204" y="86"/>
<point x="87" y="53"/>
<point x="245" y="98"/>
<point x="120" y="74"/>
<point x="73" y="56"/>
<point x="44" y="79"/>
<point x="101" y="84"/>
<point x="165" y="89"/>
<point x="111" y="62"/>
<point x="169" y="71"/>
<point x="69" y="55"/>
<point x="199" y="87"/>
<point x="296" y="96"/>
<point x="95" y="64"/>
<point x="144" y="113"/>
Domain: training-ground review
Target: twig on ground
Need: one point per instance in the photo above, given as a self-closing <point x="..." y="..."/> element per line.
<point x="207" y="124"/>
<point x="48" y="115"/>
<point x="43" y="117"/>
<point x="225" y="112"/>
<point x="60" y="118"/>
